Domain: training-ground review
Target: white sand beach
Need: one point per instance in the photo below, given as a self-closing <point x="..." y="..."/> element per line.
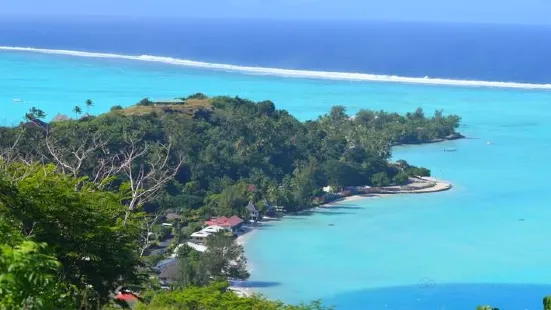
<point x="423" y="185"/>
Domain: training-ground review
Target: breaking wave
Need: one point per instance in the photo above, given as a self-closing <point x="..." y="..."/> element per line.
<point x="285" y="72"/>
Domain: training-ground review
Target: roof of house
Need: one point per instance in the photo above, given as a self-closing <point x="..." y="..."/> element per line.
<point x="165" y="262"/>
<point x="126" y="296"/>
<point x="37" y="123"/>
<point x="197" y="247"/>
<point x="213" y="229"/>
<point x="225" y="221"/>
<point x="172" y="271"/>
<point x="200" y="234"/>
<point x="167" y="101"/>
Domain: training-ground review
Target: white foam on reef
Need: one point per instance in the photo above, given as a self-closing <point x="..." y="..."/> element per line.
<point x="285" y="72"/>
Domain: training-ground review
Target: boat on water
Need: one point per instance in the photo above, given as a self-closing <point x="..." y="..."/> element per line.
<point x="17" y="100"/>
<point x="450" y="150"/>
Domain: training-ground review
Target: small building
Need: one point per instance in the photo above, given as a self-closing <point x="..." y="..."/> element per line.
<point x="232" y="223"/>
<point x="162" y="264"/>
<point x="253" y="211"/>
<point x="36" y="123"/>
<point x="167" y="101"/>
<point x="172" y="273"/>
<point x="200" y="236"/>
<point x="328" y="189"/>
<point x="197" y="247"/>
<point x="128" y="299"/>
<point x="214" y="229"/>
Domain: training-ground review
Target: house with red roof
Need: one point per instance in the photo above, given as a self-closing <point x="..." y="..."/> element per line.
<point x="231" y="223"/>
<point x="128" y="299"/>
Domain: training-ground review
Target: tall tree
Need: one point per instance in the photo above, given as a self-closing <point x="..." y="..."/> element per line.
<point x="77" y="110"/>
<point x="225" y="258"/>
<point x="34" y="113"/>
<point x="89" y="103"/>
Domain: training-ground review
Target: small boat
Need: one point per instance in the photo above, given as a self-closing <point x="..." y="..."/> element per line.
<point x="489" y="142"/>
<point x="16" y="100"/>
<point x="450" y="150"/>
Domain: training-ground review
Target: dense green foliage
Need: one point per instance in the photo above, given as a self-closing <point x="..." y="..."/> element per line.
<point x="216" y="297"/>
<point x="547" y="303"/>
<point x="229" y="143"/>
<point x="72" y="232"/>
<point x="28" y="274"/>
<point x="64" y="246"/>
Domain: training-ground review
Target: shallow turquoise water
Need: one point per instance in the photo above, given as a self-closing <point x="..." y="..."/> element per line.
<point x="408" y="252"/>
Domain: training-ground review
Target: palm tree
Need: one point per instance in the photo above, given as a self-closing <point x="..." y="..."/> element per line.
<point x="40" y="114"/>
<point x="34" y="113"/>
<point x="77" y="110"/>
<point x="89" y="103"/>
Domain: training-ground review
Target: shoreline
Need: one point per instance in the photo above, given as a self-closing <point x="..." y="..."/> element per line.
<point x="436" y="186"/>
<point x="240" y="287"/>
<point x="416" y="187"/>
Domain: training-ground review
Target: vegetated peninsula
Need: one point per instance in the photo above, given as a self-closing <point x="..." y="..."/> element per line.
<point x="94" y="204"/>
<point x="224" y="146"/>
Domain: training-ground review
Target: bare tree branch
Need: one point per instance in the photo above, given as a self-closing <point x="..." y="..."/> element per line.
<point x="147" y="231"/>
<point x="152" y="174"/>
<point x="70" y="158"/>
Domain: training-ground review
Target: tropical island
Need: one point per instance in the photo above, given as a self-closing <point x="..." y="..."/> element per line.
<point x="143" y="204"/>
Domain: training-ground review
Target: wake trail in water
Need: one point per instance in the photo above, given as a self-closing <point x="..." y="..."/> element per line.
<point x="284" y="72"/>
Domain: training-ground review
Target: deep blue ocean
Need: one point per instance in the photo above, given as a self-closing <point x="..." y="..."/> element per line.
<point x="509" y="53"/>
<point x="485" y="241"/>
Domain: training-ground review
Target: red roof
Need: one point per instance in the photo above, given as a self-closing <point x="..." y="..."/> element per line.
<point x="126" y="297"/>
<point x="225" y="221"/>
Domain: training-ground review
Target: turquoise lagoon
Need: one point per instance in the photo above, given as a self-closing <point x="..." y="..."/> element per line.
<point x="485" y="241"/>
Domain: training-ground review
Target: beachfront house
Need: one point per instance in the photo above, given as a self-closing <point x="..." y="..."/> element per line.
<point x="213" y="229"/>
<point x="202" y="235"/>
<point x="253" y="212"/>
<point x="199" y="236"/>
<point x="230" y="223"/>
